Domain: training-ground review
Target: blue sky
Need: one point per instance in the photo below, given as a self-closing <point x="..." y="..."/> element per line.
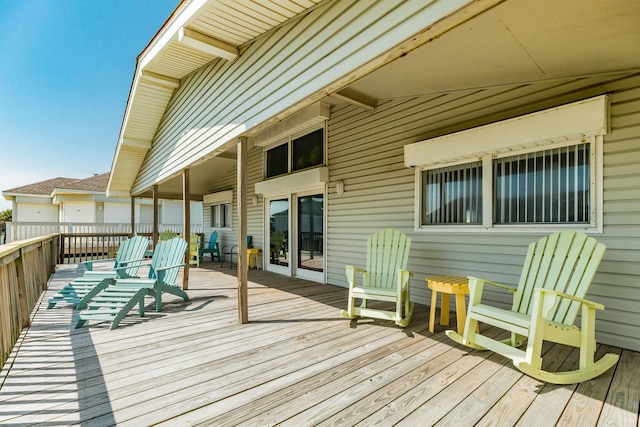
<point x="66" y="68"/>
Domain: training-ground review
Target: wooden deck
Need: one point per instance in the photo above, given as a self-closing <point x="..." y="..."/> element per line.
<point x="297" y="363"/>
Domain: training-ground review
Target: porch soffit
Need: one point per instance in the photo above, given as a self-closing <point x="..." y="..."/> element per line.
<point x="190" y="38"/>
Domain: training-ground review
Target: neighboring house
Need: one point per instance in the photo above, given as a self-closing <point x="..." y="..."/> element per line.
<point x="473" y="126"/>
<point x="84" y="201"/>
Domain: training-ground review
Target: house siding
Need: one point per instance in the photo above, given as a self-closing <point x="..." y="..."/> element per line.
<point x="366" y="153"/>
<point x="289" y="66"/>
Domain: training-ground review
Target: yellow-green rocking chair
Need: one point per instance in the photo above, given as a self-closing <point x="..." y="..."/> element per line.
<point x="385" y="278"/>
<point x="557" y="273"/>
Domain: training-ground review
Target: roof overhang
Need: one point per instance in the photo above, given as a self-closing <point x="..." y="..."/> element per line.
<point x="198" y="32"/>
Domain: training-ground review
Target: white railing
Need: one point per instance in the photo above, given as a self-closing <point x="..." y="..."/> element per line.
<point x="30" y="230"/>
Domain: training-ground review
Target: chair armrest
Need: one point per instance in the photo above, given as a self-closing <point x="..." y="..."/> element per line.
<point x="476" y="280"/>
<point x="586" y="302"/>
<point x="88" y="265"/>
<point x="351" y="274"/>
<point x="125" y="265"/>
<point x="170" y="267"/>
<point x="403" y="279"/>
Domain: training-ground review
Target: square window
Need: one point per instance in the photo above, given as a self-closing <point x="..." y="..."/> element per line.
<point x="296" y="154"/>
<point x="545" y="187"/>
<point x="453" y="195"/>
<point x="308" y="150"/>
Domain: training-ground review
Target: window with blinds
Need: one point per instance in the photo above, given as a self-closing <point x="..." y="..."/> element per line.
<point x="453" y="195"/>
<point x="545" y="187"/>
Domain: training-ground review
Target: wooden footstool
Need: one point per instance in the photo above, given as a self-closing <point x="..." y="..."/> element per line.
<point x="448" y="285"/>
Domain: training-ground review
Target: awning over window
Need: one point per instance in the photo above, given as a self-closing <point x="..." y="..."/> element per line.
<point x="569" y="122"/>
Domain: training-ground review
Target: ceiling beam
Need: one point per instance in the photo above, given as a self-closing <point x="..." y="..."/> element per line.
<point x="206" y="44"/>
<point x="358" y="99"/>
<point x="159" y="80"/>
<point x="136" y="143"/>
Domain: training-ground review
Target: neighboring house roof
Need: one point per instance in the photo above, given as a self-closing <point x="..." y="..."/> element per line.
<point x="42" y="188"/>
<point x="96" y="183"/>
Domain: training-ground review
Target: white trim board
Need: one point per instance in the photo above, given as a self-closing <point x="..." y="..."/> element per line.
<point x="586" y="118"/>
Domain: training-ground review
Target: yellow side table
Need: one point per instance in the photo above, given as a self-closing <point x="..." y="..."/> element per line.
<point x="448" y="285"/>
<point x="252" y="257"/>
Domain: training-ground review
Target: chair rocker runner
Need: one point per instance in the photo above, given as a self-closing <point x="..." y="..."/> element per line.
<point x="126" y="263"/>
<point x="121" y="295"/>
<point x="556" y="276"/>
<point x="384" y="279"/>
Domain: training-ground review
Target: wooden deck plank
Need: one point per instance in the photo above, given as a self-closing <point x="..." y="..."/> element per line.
<point x="297" y="362"/>
<point x="621" y="405"/>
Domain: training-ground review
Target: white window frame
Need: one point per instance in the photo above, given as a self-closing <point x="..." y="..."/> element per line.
<point x="216" y="202"/>
<point x="595" y="194"/>
<point x="289" y="141"/>
<point x="585" y="121"/>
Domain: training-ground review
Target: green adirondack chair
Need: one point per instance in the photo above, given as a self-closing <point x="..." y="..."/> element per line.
<point x="213" y="247"/>
<point x="126" y="264"/>
<point x="117" y="299"/>
<point x="557" y="273"/>
<point x="166" y="235"/>
<point x="194" y="249"/>
<point x="384" y="279"/>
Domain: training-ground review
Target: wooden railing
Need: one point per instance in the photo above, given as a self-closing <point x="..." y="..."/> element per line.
<point x="78" y="247"/>
<point x="28" y="230"/>
<point x="25" y="267"/>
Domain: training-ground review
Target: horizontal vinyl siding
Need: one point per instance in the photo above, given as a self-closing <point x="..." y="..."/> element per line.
<point x="255" y="222"/>
<point x="287" y="66"/>
<point x="365" y="152"/>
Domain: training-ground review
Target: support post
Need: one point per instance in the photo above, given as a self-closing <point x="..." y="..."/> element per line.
<point x="186" y="227"/>
<point x="243" y="304"/>
<point x="133" y="215"/>
<point x="154" y="233"/>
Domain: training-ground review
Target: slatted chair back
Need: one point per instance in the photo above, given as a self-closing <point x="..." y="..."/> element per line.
<point x="194" y="249"/>
<point x="565" y="262"/>
<point x="387" y="252"/>
<point x="166" y="235"/>
<point x="132" y="249"/>
<point x="166" y="254"/>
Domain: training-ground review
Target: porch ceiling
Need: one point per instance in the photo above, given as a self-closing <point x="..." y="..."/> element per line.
<point x="516" y="42"/>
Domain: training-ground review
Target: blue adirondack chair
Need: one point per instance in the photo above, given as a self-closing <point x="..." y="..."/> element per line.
<point x="556" y="276"/>
<point x="126" y="263"/>
<point x="385" y="278"/>
<point x="213" y="247"/>
<point x="117" y="299"/>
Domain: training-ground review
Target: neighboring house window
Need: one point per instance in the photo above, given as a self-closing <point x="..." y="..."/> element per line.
<point x="221" y="215"/>
<point x="297" y="153"/>
<point x="530" y="173"/>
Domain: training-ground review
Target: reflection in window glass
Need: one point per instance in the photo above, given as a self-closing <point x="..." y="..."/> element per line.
<point x="278" y="160"/>
<point x="308" y="150"/>
<point x="279" y="232"/>
<point x="310" y="232"/>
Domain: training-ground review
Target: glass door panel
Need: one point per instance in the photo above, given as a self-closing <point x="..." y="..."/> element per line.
<point x="279" y="232"/>
<point x="310" y="227"/>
